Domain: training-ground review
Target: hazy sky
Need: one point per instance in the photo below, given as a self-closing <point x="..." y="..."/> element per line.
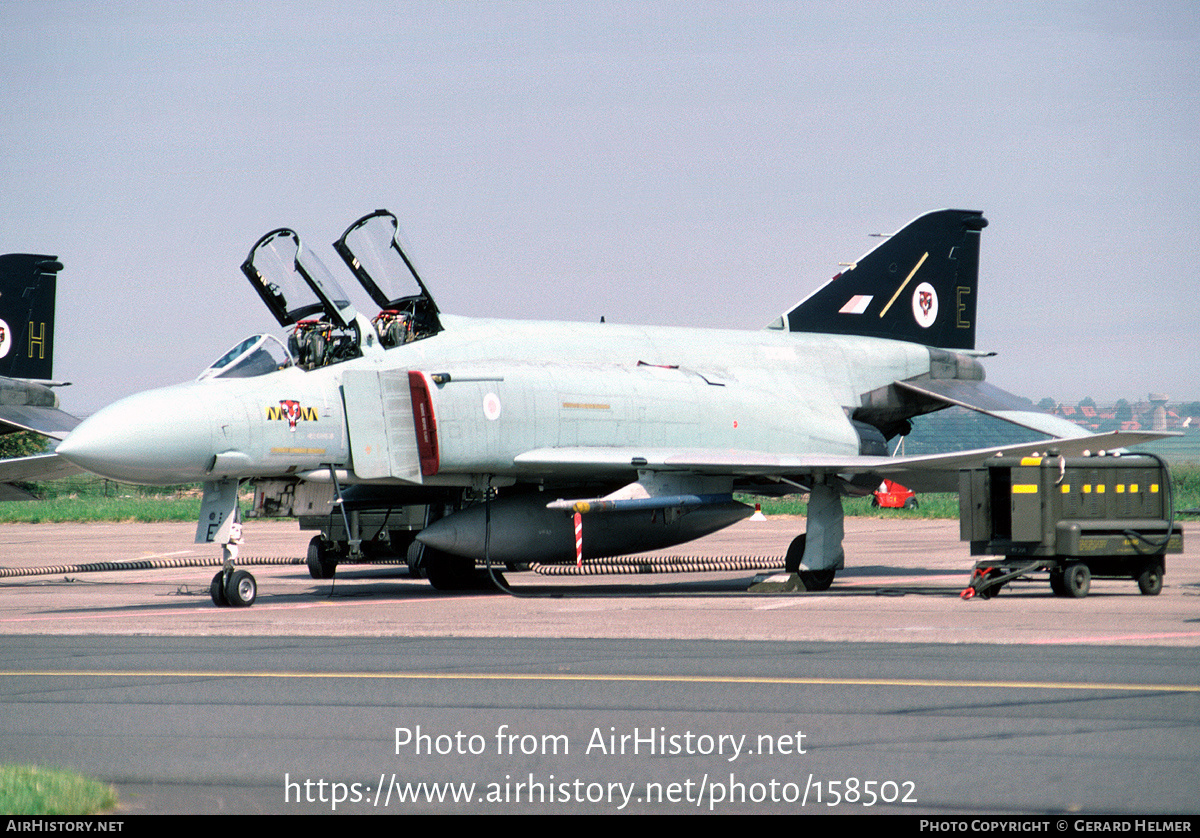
<point x="688" y="163"/>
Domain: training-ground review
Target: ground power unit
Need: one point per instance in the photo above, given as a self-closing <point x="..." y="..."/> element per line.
<point x="1075" y="518"/>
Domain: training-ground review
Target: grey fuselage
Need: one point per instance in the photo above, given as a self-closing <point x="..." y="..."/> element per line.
<point x="498" y="389"/>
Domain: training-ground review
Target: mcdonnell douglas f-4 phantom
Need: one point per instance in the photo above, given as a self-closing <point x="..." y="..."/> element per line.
<point x="450" y="440"/>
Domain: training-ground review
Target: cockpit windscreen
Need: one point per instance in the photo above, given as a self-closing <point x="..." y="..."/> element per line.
<point x="256" y="355"/>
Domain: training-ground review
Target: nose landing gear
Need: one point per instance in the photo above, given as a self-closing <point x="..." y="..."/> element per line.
<point x="233" y="588"/>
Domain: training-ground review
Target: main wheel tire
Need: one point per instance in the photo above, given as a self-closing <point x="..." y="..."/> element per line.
<point x="1077" y="580"/>
<point x="1150" y="580"/>
<point x="416" y="564"/>
<point x="447" y="572"/>
<point x="795" y="553"/>
<point x="217" y="590"/>
<point x="817" y="580"/>
<point x="241" y="590"/>
<point x="321" y="563"/>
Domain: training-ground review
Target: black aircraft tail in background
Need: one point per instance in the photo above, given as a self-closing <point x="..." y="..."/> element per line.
<point x="27" y="287"/>
<point x="918" y="285"/>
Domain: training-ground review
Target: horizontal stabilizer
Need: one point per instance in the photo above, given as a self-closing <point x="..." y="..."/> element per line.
<point x="37" y="467"/>
<point x="47" y="421"/>
<point x="992" y="401"/>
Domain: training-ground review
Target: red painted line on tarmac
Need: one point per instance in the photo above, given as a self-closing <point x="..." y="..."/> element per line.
<point x="131" y="609"/>
<point x="188" y="611"/>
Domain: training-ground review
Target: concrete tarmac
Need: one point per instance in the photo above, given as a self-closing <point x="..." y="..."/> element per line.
<point x="910" y="698"/>
<point x="901" y="584"/>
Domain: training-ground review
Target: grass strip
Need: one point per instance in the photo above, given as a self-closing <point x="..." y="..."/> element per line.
<point x="29" y="790"/>
<point x="93" y="500"/>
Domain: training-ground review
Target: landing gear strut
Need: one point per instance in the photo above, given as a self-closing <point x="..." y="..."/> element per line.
<point x="233" y="588"/>
<point x="220" y="522"/>
<point x="815" y="556"/>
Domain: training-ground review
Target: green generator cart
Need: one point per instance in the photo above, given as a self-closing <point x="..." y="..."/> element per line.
<point x="1104" y="516"/>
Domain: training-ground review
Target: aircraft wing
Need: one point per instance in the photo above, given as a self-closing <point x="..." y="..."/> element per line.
<point x="923" y="473"/>
<point x="47" y="421"/>
<point x="37" y="467"/>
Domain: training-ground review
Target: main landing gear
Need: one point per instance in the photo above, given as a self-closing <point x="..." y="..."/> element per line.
<point x="322" y="558"/>
<point x="815" y="556"/>
<point x="813" y="580"/>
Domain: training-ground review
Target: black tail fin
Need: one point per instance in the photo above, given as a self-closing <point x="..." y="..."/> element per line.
<point x="27" y="285"/>
<point x="919" y="285"/>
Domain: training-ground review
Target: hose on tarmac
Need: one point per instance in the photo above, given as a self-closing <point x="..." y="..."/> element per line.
<point x="593" y="567"/>
<point x="660" y="564"/>
<point x="143" y="564"/>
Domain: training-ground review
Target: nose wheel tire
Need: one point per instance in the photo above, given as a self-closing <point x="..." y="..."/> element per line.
<point x="217" y="590"/>
<point x="241" y="589"/>
<point x="238" y="591"/>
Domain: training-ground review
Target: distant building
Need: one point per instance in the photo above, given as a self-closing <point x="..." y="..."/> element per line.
<point x="1149" y="414"/>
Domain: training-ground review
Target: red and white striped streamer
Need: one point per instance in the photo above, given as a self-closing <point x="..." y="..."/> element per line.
<point x="578" y="540"/>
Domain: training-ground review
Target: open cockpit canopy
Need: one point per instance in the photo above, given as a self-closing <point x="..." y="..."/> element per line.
<point x="293" y="282"/>
<point x="371" y="248"/>
<point x="302" y="294"/>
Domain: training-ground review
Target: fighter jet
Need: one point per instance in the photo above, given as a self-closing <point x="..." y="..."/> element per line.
<point x="451" y="441"/>
<point x="27" y="402"/>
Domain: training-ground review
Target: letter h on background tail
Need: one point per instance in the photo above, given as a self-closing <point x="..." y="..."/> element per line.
<point x="27" y="288"/>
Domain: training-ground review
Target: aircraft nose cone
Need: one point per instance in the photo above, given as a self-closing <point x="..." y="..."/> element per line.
<point x="157" y="437"/>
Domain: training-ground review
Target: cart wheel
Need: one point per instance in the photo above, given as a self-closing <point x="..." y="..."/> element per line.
<point x="1150" y="580"/>
<point x="1077" y="580"/>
